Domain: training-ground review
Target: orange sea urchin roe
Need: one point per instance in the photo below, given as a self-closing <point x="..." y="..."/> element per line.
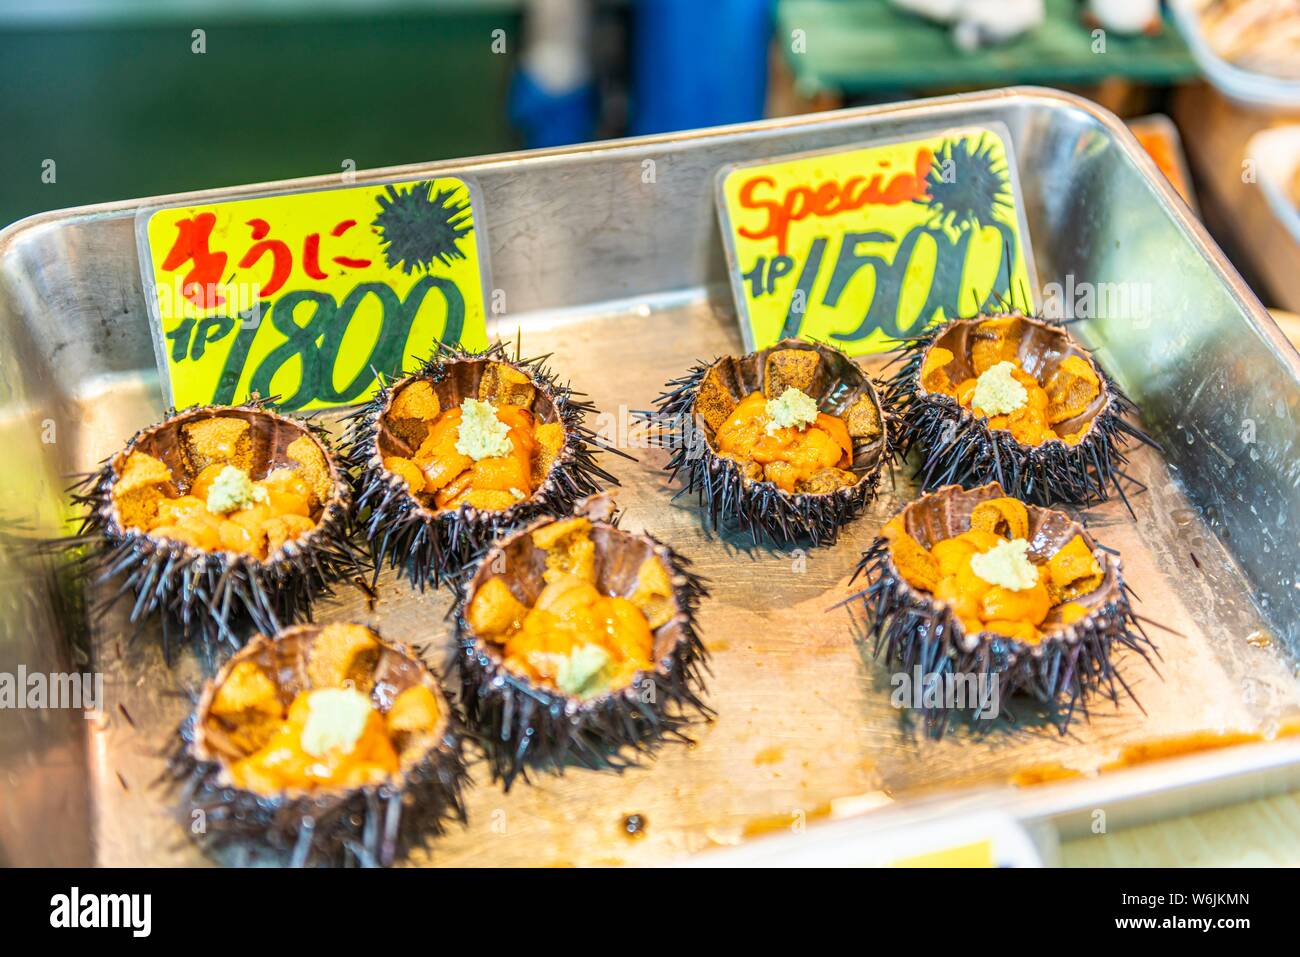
<point x="280" y="513"/>
<point x="580" y="641"/>
<point x="945" y="571"/>
<point x="276" y="509"/>
<point x="1028" y="424"/>
<point x="297" y="757"/>
<point x="1068" y="392"/>
<point x="495" y="482"/>
<point x="790" y="457"/>
<point x="574" y="638"/>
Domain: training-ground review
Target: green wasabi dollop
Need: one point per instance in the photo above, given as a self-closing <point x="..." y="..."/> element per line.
<point x="794" y="409"/>
<point x="582" y="673"/>
<point x="482" y="435"/>
<point x="231" y="491"/>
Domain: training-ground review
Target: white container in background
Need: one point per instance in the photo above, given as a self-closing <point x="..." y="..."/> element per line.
<point x="1276" y="155"/>
<point x="1246" y="87"/>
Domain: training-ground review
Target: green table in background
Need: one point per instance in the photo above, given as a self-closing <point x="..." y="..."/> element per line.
<point x="860" y="47"/>
<point x="126" y="109"/>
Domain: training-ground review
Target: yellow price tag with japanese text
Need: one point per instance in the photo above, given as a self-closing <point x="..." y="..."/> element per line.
<point x="859" y="247"/>
<point x="307" y="297"/>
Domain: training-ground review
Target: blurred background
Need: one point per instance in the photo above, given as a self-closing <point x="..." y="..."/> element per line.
<point x="116" y="99"/>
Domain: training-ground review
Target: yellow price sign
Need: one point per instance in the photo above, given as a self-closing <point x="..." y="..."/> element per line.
<point x="860" y="247"/>
<point x="308" y="297"/>
<point x="975" y="854"/>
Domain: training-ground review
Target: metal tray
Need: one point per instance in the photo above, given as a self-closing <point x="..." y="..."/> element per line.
<point x="624" y="281"/>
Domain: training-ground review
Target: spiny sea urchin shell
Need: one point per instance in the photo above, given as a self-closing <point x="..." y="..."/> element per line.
<point x="690" y="410"/>
<point x="956" y="446"/>
<point x="372" y="825"/>
<point x="523" y="725"/>
<point x="209" y="596"/>
<point x="432" y="547"/>
<point x="909" y="628"/>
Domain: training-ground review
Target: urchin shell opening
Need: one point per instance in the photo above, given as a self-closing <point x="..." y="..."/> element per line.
<point x="1072" y="665"/>
<point x="760" y="508"/>
<point x="956" y="447"/>
<point x="434" y="548"/>
<point x="203" y="596"/>
<point x="523" y="726"/>
<point x="374" y="825"/>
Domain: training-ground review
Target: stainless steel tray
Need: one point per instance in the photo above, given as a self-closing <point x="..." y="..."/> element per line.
<point x="624" y="281"/>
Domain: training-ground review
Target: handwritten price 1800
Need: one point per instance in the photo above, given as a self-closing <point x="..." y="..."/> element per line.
<point x="316" y="342"/>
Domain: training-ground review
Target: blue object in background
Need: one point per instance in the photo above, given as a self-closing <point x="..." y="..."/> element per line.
<point x="698" y="63"/>
<point x="552" y="119"/>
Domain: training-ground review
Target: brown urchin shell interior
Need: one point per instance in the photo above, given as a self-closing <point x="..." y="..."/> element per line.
<point x="837" y="383"/>
<point x="284" y="660"/>
<point x="461" y="382"/>
<point x="619" y="555"/>
<point x="270" y="433"/>
<point x="946" y="513"/>
<point x="1043" y="347"/>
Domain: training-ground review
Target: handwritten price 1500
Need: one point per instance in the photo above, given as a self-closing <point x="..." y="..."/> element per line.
<point x="882" y="312"/>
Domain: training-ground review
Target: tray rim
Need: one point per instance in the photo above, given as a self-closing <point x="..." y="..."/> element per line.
<point x="1184" y="217"/>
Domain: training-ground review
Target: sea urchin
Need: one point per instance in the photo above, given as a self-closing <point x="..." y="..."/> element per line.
<point x="1051" y="636"/>
<point x="325" y="745"/>
<point x="1070" y="450"/>
<point x="260" y="558"/>
<point x="427" y="506"/>
<point x="796" y="474"/>
<point x="576" y="641"/>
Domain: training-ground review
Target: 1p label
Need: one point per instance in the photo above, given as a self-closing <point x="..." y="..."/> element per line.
<point x="860" y="247"/>
<point x="309" y="297"/>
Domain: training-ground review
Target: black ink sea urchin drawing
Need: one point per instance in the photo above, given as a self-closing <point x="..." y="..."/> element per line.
<point x="417" y="226"/>
<point x="968" y="184"/>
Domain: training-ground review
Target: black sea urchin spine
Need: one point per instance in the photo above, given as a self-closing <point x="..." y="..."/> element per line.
<point x="959" y="449"/>
<point x="909" y="632"/>
<point x="522" y="727"/>
<point x="758" y="508"/>
<point x="430" y="548"/>
<point x="207" y="597"/>
<point x="370" y="827"/>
